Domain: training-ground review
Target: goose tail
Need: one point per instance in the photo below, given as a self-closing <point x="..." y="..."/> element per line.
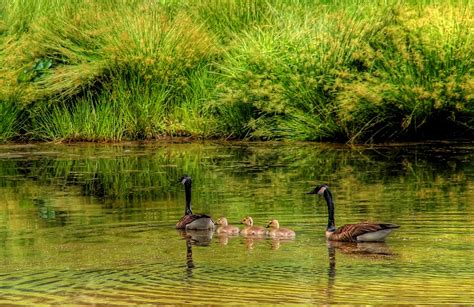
<point x="389" y="226"/>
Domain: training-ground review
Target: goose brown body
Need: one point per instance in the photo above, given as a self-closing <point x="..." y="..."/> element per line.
<point x="191" y="221"/>
<point x="250" y="229"/>
<point x="225" y="228"/>
<point x="195" y="222"/>
<point x="370" y="232"/>
<point x="361" y="232"/>
<point x="276" y="232"/>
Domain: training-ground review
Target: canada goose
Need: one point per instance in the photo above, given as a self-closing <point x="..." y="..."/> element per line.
<point x="362" y="232"/>
<point x="225" y="228"/>
<point x="276" y="232"/>
<point x="192" y="221"/>
<point x="249" y="229"/>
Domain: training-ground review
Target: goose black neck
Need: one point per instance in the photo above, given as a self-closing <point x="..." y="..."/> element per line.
<point x="187" y="190"/>
<point x="331" y="223"/>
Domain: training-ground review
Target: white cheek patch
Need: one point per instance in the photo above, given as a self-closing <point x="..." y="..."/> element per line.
<point x="321" y="191"/>
<point x="183" y="181"/>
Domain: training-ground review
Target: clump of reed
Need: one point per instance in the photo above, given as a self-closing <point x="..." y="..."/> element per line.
<point x="355" y="74"/>
<point x="11" y="120"/>
<point x="108" y="71"/>
<point x="304" y="70"/>
<point x="412" y="77"/>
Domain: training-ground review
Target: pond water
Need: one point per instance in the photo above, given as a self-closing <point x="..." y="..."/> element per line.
<point x="94" y="224"/>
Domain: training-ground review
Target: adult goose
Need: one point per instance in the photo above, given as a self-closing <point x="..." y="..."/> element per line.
<point x="192" y="221"/>
<point x="362" y="232"/>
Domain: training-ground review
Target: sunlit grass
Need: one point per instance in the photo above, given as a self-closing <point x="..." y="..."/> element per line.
<point x="304" y="70"/>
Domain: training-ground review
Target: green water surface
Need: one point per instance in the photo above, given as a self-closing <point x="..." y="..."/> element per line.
<point x="94" y="224"/>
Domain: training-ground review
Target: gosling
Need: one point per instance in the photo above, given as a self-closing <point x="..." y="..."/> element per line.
<point x="249" y="229"/>
<point x="225" y="228"/>
<point x="276" y="232"/>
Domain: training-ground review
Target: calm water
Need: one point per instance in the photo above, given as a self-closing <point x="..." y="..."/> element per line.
<point x="87" y="224"/>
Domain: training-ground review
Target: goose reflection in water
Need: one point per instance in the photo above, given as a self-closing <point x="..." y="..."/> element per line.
<point x="194" y="237"/>
<point x="373" y="250"/>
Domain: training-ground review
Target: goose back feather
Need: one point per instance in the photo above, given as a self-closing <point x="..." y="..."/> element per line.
<point x="361" y="232"/>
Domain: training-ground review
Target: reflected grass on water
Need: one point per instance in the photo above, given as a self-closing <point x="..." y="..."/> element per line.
<point x="95" y="223"/>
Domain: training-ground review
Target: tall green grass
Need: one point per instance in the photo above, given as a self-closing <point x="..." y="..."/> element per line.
<point x="10" y="121"/>
<point x="352" y="71"/>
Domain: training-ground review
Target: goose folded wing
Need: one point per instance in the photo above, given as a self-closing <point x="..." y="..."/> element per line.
<point x="350" y="232"/>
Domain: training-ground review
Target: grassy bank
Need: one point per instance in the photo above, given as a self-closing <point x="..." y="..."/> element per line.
<point x="306" y="70"/>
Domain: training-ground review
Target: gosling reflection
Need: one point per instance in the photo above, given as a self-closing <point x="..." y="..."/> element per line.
<point x="277" y="242"/>
<point x="224" y="238"/>
<point x="194" y="237"/>
<point x="250" y="241"/>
